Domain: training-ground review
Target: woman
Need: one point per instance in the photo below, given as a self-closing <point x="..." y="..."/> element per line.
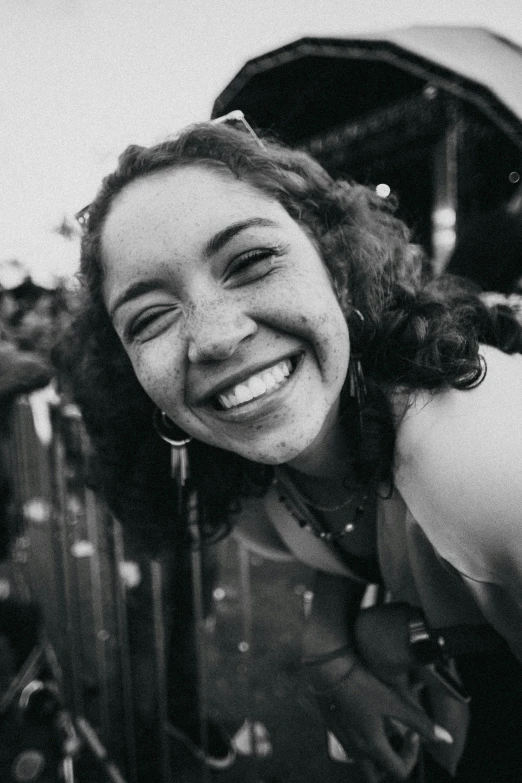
<point x="282" y="322"/>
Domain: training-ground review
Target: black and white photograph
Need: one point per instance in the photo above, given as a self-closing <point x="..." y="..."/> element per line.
<point x="260" y="391"/>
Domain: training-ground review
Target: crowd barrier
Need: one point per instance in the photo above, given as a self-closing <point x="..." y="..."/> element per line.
<point x="68" y="559"/>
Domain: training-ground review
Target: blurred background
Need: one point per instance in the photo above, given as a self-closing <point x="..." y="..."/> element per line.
<point x="422" y="101"/>
<point x="81" y="79"/>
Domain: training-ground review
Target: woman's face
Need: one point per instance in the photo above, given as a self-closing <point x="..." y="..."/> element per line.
<point x="227" y="313"/>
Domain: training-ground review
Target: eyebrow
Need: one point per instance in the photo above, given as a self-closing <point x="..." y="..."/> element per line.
<point x="218" y="241"/>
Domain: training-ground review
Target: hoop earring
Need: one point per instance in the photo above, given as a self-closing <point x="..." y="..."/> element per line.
<point x="178" y="441"/>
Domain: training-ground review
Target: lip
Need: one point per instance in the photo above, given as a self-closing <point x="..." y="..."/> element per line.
<point x="241" y="375"/>
<point x="264" y="404"/>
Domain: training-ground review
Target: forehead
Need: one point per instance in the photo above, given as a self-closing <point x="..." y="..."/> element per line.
<point x="181" y="206"/>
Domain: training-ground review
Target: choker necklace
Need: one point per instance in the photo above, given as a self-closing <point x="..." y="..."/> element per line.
<point x="347" y="502"/>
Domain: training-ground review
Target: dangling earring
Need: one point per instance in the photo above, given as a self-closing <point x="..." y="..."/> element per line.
<point x="356" y="379"/>
<point x="178" y="440"/>
<point x="357" y="386"/>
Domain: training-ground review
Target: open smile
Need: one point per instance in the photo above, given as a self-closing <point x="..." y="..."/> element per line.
<point x="259" y="384"/>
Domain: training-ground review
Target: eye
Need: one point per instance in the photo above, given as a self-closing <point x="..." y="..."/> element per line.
<point x="150" y="322"/>
<point x="252" y="265"/>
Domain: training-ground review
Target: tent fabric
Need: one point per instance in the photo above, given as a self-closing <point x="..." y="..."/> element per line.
<point x="474" y="53"/>
<point x="471" y="63"/>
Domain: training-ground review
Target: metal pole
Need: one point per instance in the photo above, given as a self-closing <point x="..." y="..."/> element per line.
<point x="245" y="645"/>
<point x="161" y="667"/>
<point x="199" y="623"/>
<point x="59" y="523"/>
<point x="445" y="197"/>
<point x="102" y="636"/>
<point x="125" y="661"/>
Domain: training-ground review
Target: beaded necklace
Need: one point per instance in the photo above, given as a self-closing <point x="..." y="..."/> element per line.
<point x="300" y="507"/>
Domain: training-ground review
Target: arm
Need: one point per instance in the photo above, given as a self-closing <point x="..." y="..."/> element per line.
<point x="459" y="472"/>
<point x="366" y="715"/>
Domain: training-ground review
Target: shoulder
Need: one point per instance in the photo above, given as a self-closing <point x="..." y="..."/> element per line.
<point x="462" y="418"/>
<point x="458" y="466"/>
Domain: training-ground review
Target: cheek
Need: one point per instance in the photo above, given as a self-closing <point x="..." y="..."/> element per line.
<point x="159" y="375"/>
<point x="336" y="348"/>
<point x="340" y="353"/>
<point x="331" y="332"/>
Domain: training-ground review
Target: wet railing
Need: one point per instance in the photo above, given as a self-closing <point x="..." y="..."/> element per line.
<point x="67" y="555"/>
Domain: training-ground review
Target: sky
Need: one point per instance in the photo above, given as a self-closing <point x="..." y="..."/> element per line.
<point x="82" y="79"/>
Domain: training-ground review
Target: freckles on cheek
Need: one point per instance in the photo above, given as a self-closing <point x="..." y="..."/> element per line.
<point x="145" y="382"/>
<point x="145" y="377"/>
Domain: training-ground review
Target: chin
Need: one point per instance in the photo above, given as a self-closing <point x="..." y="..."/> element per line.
<point x="279" y="455"/>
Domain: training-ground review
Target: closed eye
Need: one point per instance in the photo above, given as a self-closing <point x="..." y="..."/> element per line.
<point x="252" y="265"/>
<point x="150" y="322"/>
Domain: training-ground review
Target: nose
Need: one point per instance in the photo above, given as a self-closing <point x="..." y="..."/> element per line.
<point x="215" y="329"/>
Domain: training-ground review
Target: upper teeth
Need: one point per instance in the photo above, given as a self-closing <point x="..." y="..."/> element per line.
<point x="256" y="385"/>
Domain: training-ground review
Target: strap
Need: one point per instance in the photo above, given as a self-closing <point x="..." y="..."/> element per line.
<point x="319" y="660"/>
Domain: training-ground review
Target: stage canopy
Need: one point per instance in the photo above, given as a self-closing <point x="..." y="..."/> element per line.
<point x="312" y="85"/>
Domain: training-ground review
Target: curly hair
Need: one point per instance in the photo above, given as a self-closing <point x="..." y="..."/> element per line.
<point x="414" y="332"/>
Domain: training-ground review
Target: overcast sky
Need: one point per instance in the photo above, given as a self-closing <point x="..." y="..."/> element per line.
<point x="81" y="79"/>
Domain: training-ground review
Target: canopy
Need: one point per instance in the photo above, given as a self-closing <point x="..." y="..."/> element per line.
<point x="314" y="84"/>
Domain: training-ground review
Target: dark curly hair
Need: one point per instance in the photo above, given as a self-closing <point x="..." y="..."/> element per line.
<point x="415" y="332"/>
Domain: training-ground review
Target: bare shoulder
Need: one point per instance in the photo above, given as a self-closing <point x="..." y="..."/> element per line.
<point x="459" y="459"/>
<point x="462" y="418"/>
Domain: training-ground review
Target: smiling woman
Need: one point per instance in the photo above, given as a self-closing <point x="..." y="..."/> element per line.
<point x="281" y="324"/>
<point x="209" y="316"/>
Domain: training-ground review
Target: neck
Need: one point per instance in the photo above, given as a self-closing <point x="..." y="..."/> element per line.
<point x="327" y="458"/>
